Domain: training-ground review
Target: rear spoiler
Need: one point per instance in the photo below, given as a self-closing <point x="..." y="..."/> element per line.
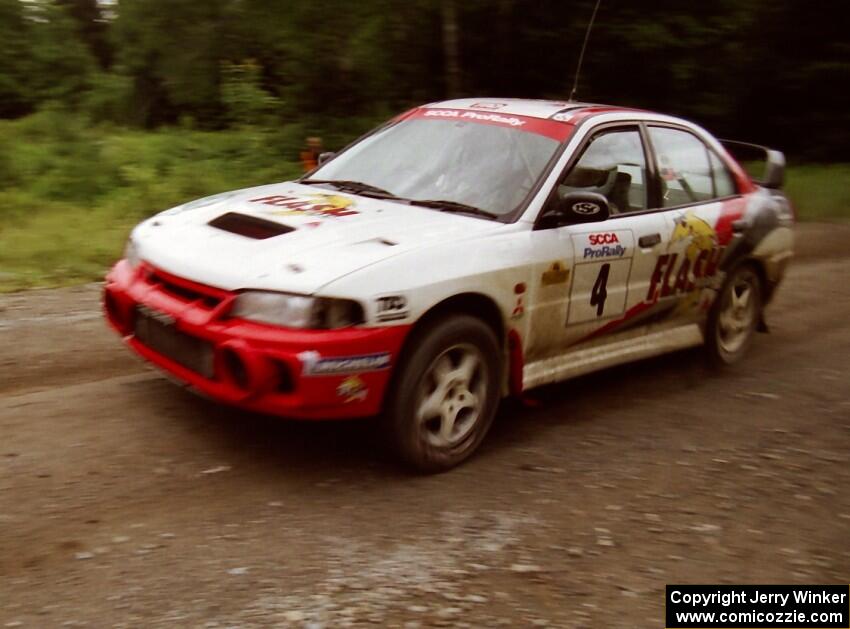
<point x="750" y="156"/>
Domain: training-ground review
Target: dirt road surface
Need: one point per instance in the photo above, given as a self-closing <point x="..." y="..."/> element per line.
<point x="126" y="501"/>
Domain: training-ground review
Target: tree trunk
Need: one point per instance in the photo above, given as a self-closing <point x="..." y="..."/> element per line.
<point x="451" y="48"/>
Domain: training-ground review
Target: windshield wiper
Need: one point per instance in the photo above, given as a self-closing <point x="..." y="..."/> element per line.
<point x="452" y="206"/>
<point x="357" y="187"/>
<point x="366" y="189"/>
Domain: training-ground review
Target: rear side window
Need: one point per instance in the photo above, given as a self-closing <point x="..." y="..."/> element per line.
<point x="724" y="185"/>
<point x="683" y="166"/>
<point x="690" y="172"/>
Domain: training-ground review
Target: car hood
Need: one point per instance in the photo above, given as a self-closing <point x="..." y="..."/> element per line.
<point x="327" y="234"/>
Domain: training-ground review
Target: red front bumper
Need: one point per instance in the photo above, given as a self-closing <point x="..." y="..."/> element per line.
<point x="259" y="367"/>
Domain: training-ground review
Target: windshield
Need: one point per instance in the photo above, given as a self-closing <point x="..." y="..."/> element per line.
<point x="484" y="165"/>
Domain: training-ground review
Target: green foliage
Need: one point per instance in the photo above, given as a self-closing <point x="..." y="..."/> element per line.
<point x="70" y="192"/>
<point x="245" y="101"/>
<point x="16" y="97"/>
<point x="759" y="70"/>
<point x="91" y="26"/>
<point x="109" y="98"/>
<point x="61" y="64"/>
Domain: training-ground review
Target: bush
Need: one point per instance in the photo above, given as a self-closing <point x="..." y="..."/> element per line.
<point x="244" y="99"/>
<point x="108" y="97"/>
<point x="70" y="191"/>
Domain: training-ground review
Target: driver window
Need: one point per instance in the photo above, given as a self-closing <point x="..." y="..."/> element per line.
<point x="612" y="165"/>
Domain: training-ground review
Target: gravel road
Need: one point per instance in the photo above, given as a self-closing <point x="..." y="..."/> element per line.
<point x="126" y="501"/>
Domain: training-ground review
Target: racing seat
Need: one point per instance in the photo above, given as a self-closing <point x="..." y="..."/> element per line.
<point x="618" y="197"/>
<point x="588" y="180"/>
<point x="611" y="184"/>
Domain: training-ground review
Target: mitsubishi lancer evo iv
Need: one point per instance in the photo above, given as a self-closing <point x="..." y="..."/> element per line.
<point x="462" y="252"/>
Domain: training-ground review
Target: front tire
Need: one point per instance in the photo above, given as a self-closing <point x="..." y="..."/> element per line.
<point x="446" y="393"/>
<point x="734" y="317"/>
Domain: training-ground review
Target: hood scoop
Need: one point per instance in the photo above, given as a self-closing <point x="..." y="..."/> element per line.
<point x="377" y="241"/>
<point x="249" y="226"/>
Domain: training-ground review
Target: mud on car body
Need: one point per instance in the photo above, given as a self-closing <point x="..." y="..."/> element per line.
<point x="464" y="251"/>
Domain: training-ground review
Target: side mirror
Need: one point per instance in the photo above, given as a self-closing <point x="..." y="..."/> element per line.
<point x="326" y="156"/>
<point x="751" y="157"/>
<point x="576" y="207"/>
<point x="774" y="171"/>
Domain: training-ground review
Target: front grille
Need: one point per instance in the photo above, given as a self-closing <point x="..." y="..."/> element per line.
<point x="164" y="338"/>
<point x="209" y="298"/>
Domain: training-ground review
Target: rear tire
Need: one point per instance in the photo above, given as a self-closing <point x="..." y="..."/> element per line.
<point x="445" y="394"/>
<point x="734" y="317"/>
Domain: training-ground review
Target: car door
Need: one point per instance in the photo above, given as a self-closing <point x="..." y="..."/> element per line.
<point x="595" y="284"/>
<point x="700" y="201"/>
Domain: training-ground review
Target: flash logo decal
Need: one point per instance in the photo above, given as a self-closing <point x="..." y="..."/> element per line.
<point x="689" y="271"/>
<point x="352" y="389"/>
<point x="313" y="205"/>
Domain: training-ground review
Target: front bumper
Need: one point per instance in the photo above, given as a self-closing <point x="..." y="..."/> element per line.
<point x="309" y="374"/>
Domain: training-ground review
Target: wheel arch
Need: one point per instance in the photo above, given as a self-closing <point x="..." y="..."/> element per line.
<point x="471" y="303"/>
<point x="474" y="304"/>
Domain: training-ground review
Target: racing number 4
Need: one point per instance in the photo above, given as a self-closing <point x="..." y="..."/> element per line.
<point x="600" y="293"/>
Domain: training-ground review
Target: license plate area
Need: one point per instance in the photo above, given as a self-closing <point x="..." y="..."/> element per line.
<point x="154" y="330"/>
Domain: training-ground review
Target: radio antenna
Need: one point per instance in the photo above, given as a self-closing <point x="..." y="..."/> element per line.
<point x="583" y="48"/>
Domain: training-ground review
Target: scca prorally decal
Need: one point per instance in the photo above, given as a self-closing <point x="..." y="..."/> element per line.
<point x="474" y="115"/>
<point x="603" y="239"/>
<point x="692" y="260"/>
<point x="605" y="251"/>
<point x="315" y="365"/>
<point x="604" y="246"/>
<point x="313" y="204"/>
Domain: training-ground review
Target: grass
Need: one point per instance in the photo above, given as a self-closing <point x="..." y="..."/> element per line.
<point x="59" y="246"/>
<point x="70" y="192"/>
<point x="820" y="192"/>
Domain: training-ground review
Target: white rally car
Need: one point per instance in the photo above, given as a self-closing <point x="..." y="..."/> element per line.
<point x="462" y="252"/>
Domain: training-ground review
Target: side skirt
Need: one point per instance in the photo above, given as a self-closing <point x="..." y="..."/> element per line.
<point x="582" y="361"/>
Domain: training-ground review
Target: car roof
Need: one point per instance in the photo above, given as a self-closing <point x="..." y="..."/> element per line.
<point x="564" y="111"/>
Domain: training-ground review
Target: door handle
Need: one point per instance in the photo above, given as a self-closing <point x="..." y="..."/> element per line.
<point x="650" y="240"/>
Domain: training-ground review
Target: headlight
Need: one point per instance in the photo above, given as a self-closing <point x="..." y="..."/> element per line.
<point x="297" y="311"/>
<point x="131" y="254"/>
